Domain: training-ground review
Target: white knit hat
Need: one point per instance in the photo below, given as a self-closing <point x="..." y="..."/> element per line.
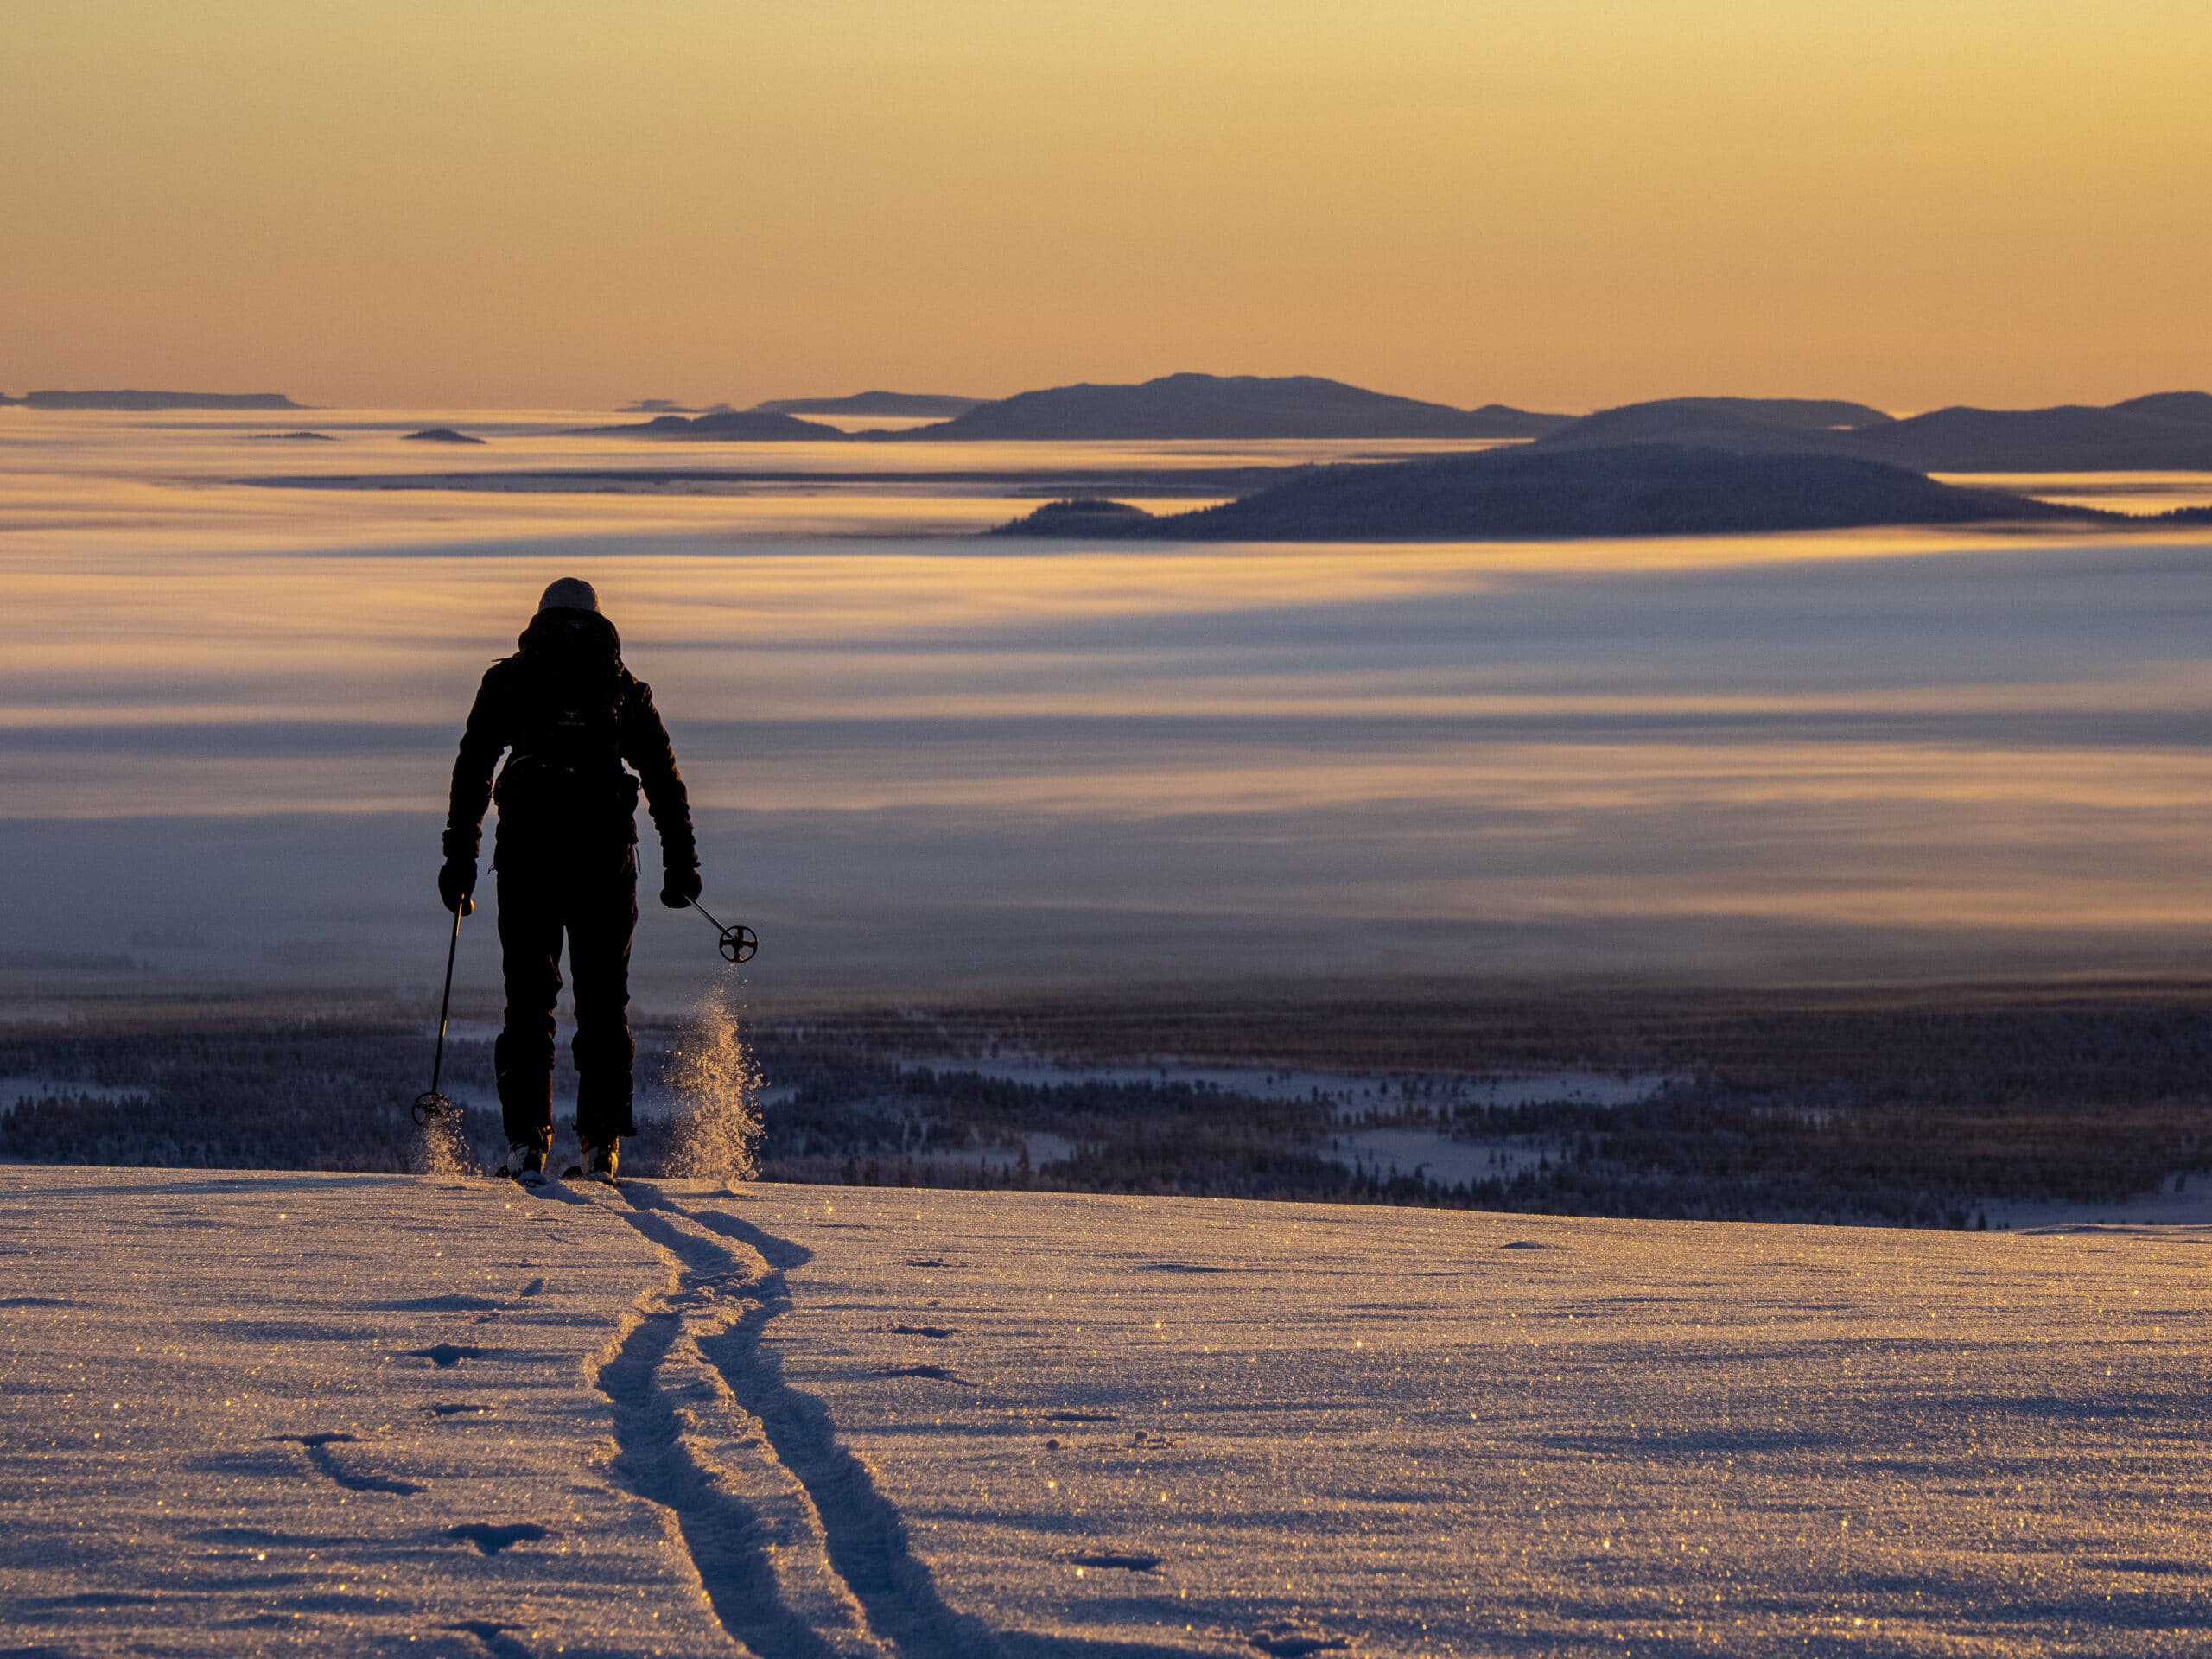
<point x="569" y="594"/>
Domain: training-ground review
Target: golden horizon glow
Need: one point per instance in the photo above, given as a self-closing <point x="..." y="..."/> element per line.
<point x="1557" y="205"/>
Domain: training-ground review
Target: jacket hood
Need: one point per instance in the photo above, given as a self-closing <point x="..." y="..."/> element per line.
<point x="570" y="636"/>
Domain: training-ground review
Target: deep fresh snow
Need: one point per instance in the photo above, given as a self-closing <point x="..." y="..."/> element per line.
<point x="348" y="1414"/>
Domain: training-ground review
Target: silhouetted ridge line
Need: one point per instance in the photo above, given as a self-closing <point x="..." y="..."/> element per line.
<point x="726" y="426"/>
<point x="145" y="401"/>
<point x="2194" y="406"/>
<point x="1229" y="407"/>
<point x="1802" y="414"/>
<point x="2123" y="438"/>
<point x="927" y="404"/>
<point x="1637" y="490"/>
<point x="2164" y="431"/>
<point x="1700" y="423"/>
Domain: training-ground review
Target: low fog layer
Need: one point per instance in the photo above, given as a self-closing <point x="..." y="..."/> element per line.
<point x="923" y="761"/>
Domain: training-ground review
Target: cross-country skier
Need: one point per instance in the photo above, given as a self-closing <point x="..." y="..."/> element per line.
<point x="570" y="715"/>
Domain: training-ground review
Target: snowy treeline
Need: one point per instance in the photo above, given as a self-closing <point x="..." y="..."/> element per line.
<point x="223" y="1094"/>
<point x="1903" y="1112"/>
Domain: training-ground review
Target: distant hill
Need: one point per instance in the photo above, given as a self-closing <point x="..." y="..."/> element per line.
<point x="1637" y="490"/>
<point x="144" y="402"/>
<point x="1799" y="414"/>
<point x="2166" y="431"/>
<point x="928" y="405"/>
<point x="726" y="426"/>
<point x="292" y="437"/>
<point x="1088" y="515"/>
<point x="2191" y="406"/>
<point x="1738" y="425"/>
<point x="1503" y="421"/>
<point x="2126" y="437"/>
<point x="440" y="435"/>
<point x="1228" y="407"/>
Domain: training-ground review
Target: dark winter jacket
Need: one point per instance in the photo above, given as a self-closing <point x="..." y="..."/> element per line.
<point x="571" y="715"/>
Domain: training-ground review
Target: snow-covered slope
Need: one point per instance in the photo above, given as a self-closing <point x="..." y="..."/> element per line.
<point x="808" y="1421"/>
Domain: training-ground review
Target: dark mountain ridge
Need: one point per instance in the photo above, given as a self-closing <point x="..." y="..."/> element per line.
<point x="927" y="404"/>
<point x="1736" y="425"/>
<point x="2163" y="432"/>
<point x="1228" y="407"/>
<point x="2195" y="406"/>
<point x="725" y="426"/>
<point x="2140" y="435"/>
<point x="147" y="402"/>
<point x="1803" y="413"/>
<point x="1634" y="490"/>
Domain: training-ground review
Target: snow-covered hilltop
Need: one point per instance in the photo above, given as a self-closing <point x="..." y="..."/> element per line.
<point x="346" y="1414"/>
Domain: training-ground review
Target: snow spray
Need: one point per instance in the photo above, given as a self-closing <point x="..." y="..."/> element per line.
<point x="445" y="1150"/>
<point x="716" y="1134"/>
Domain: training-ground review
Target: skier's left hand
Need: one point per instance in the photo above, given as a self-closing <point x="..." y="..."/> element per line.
<point x="679" y="887"/>
<point x="456" y="883"/>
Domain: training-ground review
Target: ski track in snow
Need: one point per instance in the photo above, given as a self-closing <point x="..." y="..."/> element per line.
<point x="755" y="1536"/>
<point x="732" y="1285"/>
<point x="815" y="1423"/>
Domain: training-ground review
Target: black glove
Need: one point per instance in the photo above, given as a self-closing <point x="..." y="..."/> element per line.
<point x="457" y="882"/>
<point x="680" y="885"/>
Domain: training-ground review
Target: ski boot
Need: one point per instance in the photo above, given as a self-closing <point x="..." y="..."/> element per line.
<point x="528" y="1163"/>
<point x="600" y="1162"/>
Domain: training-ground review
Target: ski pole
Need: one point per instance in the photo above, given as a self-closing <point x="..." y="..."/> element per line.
<point x="432" y="1105"/>
<point x="738" y="942"/>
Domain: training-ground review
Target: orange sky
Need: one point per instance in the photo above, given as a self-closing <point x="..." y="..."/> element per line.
<point x="1555" y="203"/>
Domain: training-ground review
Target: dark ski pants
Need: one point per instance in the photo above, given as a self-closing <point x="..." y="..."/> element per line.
<point x="595" y="903"/>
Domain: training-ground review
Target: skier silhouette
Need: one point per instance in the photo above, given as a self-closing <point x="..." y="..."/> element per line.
<point x="570" y="715"/>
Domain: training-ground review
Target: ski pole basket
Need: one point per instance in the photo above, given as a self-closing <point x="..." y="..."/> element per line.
<point x="431" y="1107"/>
<point x="738" y="942"/>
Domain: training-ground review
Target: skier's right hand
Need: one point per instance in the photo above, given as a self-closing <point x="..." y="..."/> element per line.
<point x="680" y="886"/>
<point x="457" y="882"/>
